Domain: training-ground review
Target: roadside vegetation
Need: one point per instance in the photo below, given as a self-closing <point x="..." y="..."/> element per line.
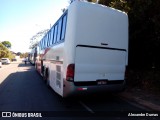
<point x="6" y="53"/>
<point x="24" y="55"/>
<point x="4" y="50"/>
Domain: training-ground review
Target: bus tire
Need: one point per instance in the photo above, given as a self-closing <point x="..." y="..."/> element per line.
<point x="47" y="77"/>
<point x="44" y="74"/>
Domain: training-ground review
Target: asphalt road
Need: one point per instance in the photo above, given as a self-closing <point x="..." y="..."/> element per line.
<point x="22" y="89"/>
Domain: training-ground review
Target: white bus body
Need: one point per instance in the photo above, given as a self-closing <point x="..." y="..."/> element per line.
<point x="91" y="52"/>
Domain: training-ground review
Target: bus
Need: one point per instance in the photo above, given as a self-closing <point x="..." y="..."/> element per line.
<point x="85" y="51"/>
<point x="32" y="56"/>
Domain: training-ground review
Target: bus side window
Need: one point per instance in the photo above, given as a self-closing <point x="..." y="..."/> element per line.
<point x="59" y="30"/>
<point x="55" y="34"/>
<point x="52" y="35"/>
<point x="63" y="27"/>
<point x="45" y="41"/>
<point x="48" y="39"/>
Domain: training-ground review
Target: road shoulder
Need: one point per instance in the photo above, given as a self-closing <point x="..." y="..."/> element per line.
<point x="140" y="97"/>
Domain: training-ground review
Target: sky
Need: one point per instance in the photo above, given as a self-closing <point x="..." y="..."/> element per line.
<point x="22" y="19"/>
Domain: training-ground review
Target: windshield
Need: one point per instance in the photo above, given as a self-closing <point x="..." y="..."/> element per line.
<point x="4" y="59"/>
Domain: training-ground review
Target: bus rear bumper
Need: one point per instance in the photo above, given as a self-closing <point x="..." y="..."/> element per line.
<point x="70" y="89"/>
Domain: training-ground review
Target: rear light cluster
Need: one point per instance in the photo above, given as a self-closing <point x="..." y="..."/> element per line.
<point x="70" y="72"/>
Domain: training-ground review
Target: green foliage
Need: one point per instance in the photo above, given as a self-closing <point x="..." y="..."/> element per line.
<point x="120" y="4"/>
<point x="144" y="33"/>
<point x="23" y="55"/>
<point x="105" y="2"/>
<point x="19" y="53"/>
<point x="6" y="44"/>
<point x="92" y="1"/>
<point x="11" y="56"/>
<point x="5" y="53"/>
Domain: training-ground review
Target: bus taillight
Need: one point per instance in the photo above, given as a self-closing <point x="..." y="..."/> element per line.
<point x="70" y="72"/>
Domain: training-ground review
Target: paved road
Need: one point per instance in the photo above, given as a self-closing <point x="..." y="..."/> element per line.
<point x="22" y="89"/>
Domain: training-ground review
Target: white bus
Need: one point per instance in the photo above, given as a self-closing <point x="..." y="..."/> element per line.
<point x="85" y="51"/>
<point x="32" y="56"/>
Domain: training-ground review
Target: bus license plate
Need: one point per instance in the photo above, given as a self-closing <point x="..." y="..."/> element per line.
<point x="101" y="82"/>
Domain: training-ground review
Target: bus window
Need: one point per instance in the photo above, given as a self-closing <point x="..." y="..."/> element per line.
<point x="55" y="33"/>
<point x="63" y="27"/>
<point x="52" y="35"/>
<point x="59" y="30"/>
<point x="48" y="39"/>
<point x="45" y="41"/>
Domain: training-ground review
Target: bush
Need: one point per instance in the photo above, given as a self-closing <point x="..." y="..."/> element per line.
<point x="5" y="53"/>
<point x="148" y="80"/>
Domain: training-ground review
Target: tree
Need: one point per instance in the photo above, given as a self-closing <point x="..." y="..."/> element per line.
<point x="5" y="53"/>
<point x="144" y="34"/>
<point x="18" y="53"/>
<point x="24" y="55"/>
<point x="120" y="4"/>
<point x="7" y="44"/>
<point x="35" y="39"/>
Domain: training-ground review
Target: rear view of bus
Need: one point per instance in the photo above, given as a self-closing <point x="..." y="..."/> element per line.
<point x="97" y="37"/>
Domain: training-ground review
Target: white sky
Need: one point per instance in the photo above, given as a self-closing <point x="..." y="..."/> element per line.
<point x="21" y="19"/>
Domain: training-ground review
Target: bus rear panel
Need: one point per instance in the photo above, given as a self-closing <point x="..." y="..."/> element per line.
<point x="98" y="44"/>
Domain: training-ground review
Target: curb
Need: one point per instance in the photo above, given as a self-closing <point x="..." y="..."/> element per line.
<point x="144" y="103"/>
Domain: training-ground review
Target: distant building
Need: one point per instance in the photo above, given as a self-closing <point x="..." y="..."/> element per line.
<point x="19" y="53"/>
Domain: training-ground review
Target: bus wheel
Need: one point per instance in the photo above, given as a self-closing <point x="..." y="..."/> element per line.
<point x="45" y="75"/>
<point x="36" y="66"/>
<point x="47" y="78"/>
